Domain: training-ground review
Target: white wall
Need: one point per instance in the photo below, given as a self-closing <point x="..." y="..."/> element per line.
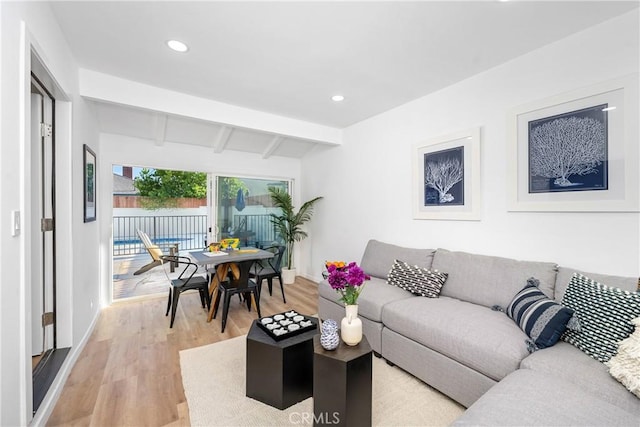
<point x="123" y="150"/>
<point x="367" y="181"/>
<point x="27" y="25"/>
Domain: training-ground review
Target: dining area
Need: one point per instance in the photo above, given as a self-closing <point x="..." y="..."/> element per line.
<point x="229" y="271"/>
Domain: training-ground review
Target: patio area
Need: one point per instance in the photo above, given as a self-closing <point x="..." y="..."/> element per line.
<point x="154" y="281"/>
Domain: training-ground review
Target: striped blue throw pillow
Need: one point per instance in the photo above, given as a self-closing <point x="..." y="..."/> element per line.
<point x="541" y="318"/>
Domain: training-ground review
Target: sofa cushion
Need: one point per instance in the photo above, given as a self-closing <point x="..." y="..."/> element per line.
<point x="375" y="294"/>
<point x="378" y="257"/>
<point x="565" y="274"/>
<point x="568" y="364"/>
<point x="530" y="398"/>
<point x="541" y="318"/>
<point x="417" y="280"/>
<point x="475" y="336"/>
<point x="625" y="365"/>
<point x="604" y="313"/>
<point x="489" y="280"/>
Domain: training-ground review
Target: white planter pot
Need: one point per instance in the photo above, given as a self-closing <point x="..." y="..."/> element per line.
<point x="288" y="276"/>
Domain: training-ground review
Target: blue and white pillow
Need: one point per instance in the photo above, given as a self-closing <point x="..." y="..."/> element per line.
<point x="605" y="315"/>
<point x="541" y="318"/>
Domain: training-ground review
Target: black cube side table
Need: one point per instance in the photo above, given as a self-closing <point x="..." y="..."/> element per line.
<point x="279" y="373"/>
<point x="342" y="388"/>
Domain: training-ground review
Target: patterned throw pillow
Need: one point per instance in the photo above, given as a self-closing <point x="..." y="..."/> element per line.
<point x="417" y="280"/>
<point x="605" y="314"/>
<point x="541" y="318"/>
<point x="625" y="366"/>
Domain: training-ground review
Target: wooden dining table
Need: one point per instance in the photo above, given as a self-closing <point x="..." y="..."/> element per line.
<point x="219" y="264"/>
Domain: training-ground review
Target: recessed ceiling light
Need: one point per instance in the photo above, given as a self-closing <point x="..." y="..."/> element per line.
<point x="178" y="46"/>
<point x="337" y="98"/>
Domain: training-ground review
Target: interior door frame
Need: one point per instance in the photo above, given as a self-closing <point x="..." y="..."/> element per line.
<point x="44" y="157"/>
<point x="32" y="62"/>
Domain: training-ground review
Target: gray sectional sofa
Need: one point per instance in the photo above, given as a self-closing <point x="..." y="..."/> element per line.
<point x="478" y="356"/>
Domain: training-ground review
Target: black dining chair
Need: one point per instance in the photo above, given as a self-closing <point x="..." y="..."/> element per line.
<point x="187" y="280"/>
<point x="269" y="269"/>
<point x="242" y="285"/>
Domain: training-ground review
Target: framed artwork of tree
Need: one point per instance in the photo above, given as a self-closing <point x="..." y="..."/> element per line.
<point x="568" y="151"/>
<point x="446" y="182"/>
<point x="576" y="151"/>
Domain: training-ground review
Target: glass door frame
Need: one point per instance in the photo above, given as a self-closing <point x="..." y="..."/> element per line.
<point x="214" y="232"/>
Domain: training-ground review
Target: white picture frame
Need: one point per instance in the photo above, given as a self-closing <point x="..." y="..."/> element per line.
<point x="603" y="181"/>
<point x="89" y="183"/>
<point x="446" y="177"/>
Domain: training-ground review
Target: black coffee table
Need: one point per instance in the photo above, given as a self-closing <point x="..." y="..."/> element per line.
<point x="279" y="373"/>
<point x="342" y="390"/>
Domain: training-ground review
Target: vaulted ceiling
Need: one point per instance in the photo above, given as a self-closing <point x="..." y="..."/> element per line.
<point x="286" y="59"/>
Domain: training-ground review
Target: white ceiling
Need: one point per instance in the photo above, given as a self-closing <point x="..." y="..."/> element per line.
<point x="289" y="58"/>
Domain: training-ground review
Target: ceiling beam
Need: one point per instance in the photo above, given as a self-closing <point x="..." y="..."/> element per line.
<point x="222" y="139"/>
<point x="160" y="128"/>
<point x="272" y="147"/>
<point x="108" y="88"/>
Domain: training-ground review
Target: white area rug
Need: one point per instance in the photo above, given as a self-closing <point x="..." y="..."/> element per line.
<point x="213" y="377"/>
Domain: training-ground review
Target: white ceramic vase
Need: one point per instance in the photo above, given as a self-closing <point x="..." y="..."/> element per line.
<point x="351" y="326"/>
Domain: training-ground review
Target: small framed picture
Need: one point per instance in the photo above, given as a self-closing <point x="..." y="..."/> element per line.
<point x="573" y="152"/>
<point x="446" y="178"/>
<point x="89" y="174"/>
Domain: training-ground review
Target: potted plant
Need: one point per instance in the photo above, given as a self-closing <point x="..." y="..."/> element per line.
<point x="288" y="224"/>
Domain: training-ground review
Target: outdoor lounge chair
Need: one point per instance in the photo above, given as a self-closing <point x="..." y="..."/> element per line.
<point x="154" y="251"/>
<point x="156" y="254"/>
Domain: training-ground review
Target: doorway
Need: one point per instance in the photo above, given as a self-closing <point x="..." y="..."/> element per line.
<point x="170" y="206"/>
<point x="45" y="360"/>
<point x="42" y="296"/>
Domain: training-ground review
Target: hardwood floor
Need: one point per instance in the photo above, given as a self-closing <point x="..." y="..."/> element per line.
<point x="129" y="371"/>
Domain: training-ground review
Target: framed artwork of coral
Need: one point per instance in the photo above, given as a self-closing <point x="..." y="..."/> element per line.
<point x="446" y="177"/>
<point x="573" y="152"/>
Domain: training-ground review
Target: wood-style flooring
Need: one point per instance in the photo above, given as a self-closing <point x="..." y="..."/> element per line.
<point x="128" y="374"/>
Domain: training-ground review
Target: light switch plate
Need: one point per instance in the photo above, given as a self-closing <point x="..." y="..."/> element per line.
<point x="15" y="223"/>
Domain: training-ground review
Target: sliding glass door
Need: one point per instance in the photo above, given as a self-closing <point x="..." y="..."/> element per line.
<point x="241" y="208"/>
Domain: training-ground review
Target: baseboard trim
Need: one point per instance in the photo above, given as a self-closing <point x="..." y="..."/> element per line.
<point x="310" y="278"/>
<point x="41" y="417"/>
